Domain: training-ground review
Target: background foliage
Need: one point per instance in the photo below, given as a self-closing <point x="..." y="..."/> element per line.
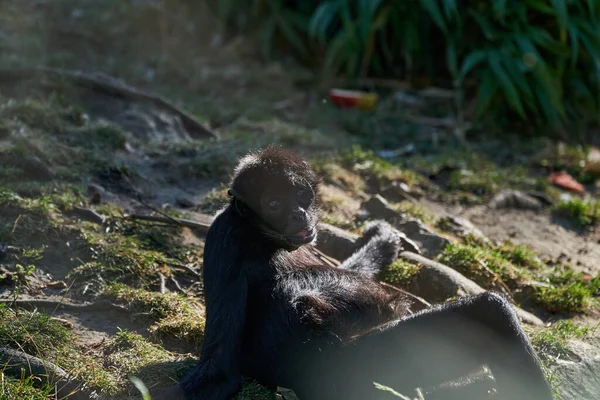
<point x="530" y="60"/>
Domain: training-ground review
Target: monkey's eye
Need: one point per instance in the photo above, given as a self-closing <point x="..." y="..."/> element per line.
<point x="300" y="192"/>
<point x="274" y="204"/>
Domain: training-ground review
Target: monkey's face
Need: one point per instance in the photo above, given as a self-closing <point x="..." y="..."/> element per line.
<point x="291" y="210"/>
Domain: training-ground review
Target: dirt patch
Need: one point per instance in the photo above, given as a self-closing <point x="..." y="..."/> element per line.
<point x="540" y="230"/>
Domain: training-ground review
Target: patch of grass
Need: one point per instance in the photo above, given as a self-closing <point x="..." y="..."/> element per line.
<point x="583" y="212"/>
<point x="96" y="137"/>
<point x="122" y="258"/>
<point x="24" y="388"/>
<point x="128" y="352"/>
<point x="414" y="210"/>
<point x="174" y="315"/>
<point x="47" y="115"/>
<point x="520" y="255"/>
<point x="570" y="298"/>
<point x="33" y="333"/>
<point x="374" y="169"/>
<point x="568" y="291"/>
<point x="400" y="273"/>
<point x="480" y="264"/>
<point x="552" y="342"/>
<point x="331" y="172"/>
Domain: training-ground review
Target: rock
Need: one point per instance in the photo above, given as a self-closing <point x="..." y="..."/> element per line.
<point x="184" y="202"/>
<point x="87" y="214"/>
<point x="515" y="199"/>
<point x="579" y="379"/>
<point x="461" y="227"/>
<point x="335" y="242"/>
<point x="400" y="191"/>
<point x="340" y="244"/>
<point x="431" y="244"/>
<point x="436" y="282"/>
<point x="379" y="208"/>
<point x="428" y="241"/>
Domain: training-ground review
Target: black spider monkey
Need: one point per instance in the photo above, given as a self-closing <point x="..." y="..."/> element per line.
<point x="277" y="314"/>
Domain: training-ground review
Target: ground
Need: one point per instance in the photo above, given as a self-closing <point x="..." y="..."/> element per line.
<point x="77" y="165"/>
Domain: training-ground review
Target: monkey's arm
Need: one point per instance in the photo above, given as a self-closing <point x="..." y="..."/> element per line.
<point x="217" y="375"/>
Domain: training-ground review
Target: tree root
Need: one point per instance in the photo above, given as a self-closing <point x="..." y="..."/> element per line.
<point x="19" y="364"/>
<point x="108" y="85"/>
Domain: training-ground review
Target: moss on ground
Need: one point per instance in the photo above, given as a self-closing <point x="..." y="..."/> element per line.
<point x="561" y="289"/>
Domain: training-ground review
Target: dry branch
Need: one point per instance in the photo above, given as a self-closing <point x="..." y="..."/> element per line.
<point x="202" y="227"/>
<point x="101" y="305"/>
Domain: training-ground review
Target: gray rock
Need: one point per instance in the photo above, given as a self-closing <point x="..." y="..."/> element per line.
<point x="379" y="208"/>
<point x="461" y="227"/>
<point x="579" y="379"/>
<point x="335" y="242"/>
<point x="400" y="191"/>
<point x="515" y="199"/>
<point x="431" y="244"/>
<point x="340" y="244"/>
<point x="436" y="282"/>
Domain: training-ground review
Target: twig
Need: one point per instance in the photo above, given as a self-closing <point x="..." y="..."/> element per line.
<point x="420" y="302"/>
<point x="101" y="305"/>
<point x="113" y="87"/>
<point x="163" y="283"/>
<point x="183" y="267"/>
<point x="178" y="286"/>
<point x="142" y="202"/>
<point x="202" y="227"/>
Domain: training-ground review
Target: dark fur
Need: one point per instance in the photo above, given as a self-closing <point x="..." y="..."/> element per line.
<point x="278" y="315"/>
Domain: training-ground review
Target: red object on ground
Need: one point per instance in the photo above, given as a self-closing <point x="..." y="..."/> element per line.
<point x="566" y="181"/>
<point x="353" y="98"/>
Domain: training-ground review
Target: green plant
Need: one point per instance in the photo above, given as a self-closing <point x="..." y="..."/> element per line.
<point x="583" y="212"/>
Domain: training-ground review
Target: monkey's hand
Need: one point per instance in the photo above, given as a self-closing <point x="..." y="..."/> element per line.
<point x="208" y="382"/>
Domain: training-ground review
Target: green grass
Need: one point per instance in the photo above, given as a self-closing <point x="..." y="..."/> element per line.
<point x="582" y="212"/>
<point x="481" y="264"/>
<point x="174" y="316"/>
<point x="400" y="273"/>
<point x="552" y="342"/>
<point x="565" y="291"/>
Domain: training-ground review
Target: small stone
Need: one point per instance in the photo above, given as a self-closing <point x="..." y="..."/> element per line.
<point x="515" y="199"/>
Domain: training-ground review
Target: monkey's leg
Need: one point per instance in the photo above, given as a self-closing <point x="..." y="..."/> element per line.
<point x="439" y="345"/>
<point x="377" y="248"/>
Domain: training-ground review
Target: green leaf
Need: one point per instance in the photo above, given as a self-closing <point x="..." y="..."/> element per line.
<point x="452" y="59"/>
<point x="432" y="7"/>
<point x="323" y="17"/>
<point x="574" y="39"/>
<point x="542" y="38"/>
<point x="488" y="89"/>
<point x="562" y="14"/>
<point x="450" y="8"/>
<point x="484" y="25"/>
<point x="512" y="67"/>
<point x="499" y="7"/>
<point x="471" y="61"/>
<point x="508" y="87"/>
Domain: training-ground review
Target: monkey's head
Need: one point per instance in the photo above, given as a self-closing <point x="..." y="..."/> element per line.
<point x="281" y="189"/>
